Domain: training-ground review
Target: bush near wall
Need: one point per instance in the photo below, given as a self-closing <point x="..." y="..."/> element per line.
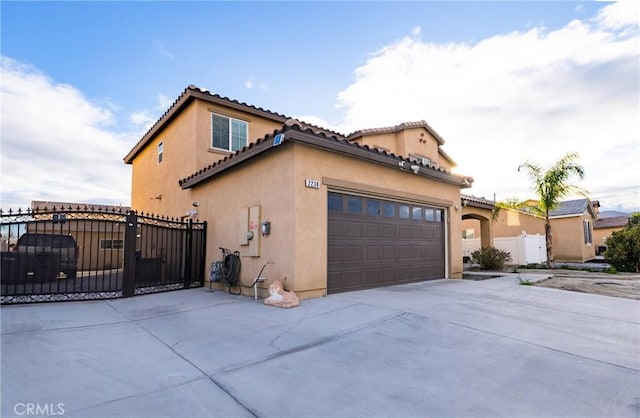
<point x="491" y="258"/>
<point x="623" y="247"/>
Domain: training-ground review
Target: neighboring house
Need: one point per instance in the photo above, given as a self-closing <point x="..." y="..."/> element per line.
<point x="572" y="225"/>
<point x="333" y="212"/>
<point x="603" y="229"/>
<point x="516" y="231"/>
<point x="99" y="243"/>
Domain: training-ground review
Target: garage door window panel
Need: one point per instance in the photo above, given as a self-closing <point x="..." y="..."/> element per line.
<point x="416" y="213"/>
<point x="389" y="210"/>
<point x="335" y="202"/>
<point x="403" y="211"/>
<point x="354" y="205"/>
<point x="373" y="207"/>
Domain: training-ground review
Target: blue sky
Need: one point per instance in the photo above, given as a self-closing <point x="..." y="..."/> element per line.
<point x="104" y="71"/>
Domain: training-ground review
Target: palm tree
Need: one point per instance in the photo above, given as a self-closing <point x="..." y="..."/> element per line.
<point x="552" y="185"/>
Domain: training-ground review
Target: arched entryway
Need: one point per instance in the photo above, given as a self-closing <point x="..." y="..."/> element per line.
<point x="477" y="230"/>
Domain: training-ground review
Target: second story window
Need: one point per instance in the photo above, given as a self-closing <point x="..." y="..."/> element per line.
<point x="160" y="151"/>
<point x="227" y="133"/>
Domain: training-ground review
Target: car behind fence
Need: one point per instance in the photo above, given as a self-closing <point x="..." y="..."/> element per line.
<point x="96" y="253"/>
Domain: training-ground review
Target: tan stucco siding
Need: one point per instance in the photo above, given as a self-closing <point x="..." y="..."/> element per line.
<point x="187" y="148"/>
<point x="257" y="128"/>
<point x="267" y="183"/>
<point x="600" y="235"/>
<point x="511" y="223"/>
<point x="151" y="179"/>
<point x="298" y="214"/>
<point x="408" y="141"/>
<point x="366" y="178"/>
<point x="568" y="239"/>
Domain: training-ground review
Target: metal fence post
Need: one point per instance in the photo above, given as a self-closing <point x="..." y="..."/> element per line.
<point x="129" y="273"/>
<point x="188" y="256"/>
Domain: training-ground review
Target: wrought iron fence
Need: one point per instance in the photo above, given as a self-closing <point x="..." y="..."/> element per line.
<point x="96" y="253"/>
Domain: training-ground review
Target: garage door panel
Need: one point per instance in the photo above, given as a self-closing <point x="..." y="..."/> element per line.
<point x="335" y="228"/>
<point x="379" y="248"/>
<point x="389" y="252"/>
<point x="389" y="231"/>
<point x="355" y="229"/>
<point x="354" y="278"/>
<point x="353" y="253"/>
<point x="404" y="231"/>
<point x="373" y="253"/>
<point x="373" y="230"/>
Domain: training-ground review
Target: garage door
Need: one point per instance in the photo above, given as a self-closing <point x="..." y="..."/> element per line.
<point x="375" y="242"/>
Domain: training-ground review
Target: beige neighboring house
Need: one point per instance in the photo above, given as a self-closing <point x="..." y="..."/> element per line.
<point x="572" y="224"/>
<point x="333" y="212"/>
<point x="603" y="229"/>
<point x="516" y="231"/>
<point x="99" y="243"/>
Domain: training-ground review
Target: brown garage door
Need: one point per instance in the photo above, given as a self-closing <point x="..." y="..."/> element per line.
<point x="375" y="242"/>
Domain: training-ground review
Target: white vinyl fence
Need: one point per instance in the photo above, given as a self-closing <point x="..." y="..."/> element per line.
<point x="524" y="249"/>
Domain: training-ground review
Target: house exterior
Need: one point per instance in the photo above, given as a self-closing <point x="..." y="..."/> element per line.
<point x="572" y="225"/>
<point x="332" y="212"/>
<point x="603" y="229"/>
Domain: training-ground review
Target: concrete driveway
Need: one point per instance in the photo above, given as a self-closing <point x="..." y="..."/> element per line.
<point x="446" y="348"/>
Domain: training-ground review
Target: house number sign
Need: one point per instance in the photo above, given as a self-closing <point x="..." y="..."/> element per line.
<point x="313" y="184"/>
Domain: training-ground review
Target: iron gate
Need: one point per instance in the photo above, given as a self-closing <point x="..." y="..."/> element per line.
<point x="96" y="253"/>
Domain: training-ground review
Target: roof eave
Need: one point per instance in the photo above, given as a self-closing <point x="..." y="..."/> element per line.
<point x="294" y="134"/>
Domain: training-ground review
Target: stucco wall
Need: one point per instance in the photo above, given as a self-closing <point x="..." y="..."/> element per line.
<point x="600" y="235"/>
<point x="298" y="241"/>
<point x="151" y="179"/>
<point x="266" y="182"/>
<point x="511" y="223"/>
<point x="408" y="141"/>
<point x="187" y="148"/>
<point x="568" y="239"/>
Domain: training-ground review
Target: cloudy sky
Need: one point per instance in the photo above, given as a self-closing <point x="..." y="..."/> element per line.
<point x="501" y="82"/>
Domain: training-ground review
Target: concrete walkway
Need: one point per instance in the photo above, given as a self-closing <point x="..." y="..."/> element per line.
<point x="446" y="348"/>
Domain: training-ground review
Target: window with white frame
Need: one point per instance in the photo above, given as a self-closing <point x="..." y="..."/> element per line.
<point x="160" y="152"/>
<point x="588" y="235"/>
<point x="227" y="133"/>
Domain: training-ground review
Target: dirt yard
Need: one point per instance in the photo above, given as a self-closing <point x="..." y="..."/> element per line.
<point x="621" y="285"/>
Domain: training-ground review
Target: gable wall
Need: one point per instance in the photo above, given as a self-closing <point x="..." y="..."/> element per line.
<point x="150" y="179"/>
<point x="407" y="142"/>
<point x="187" y="149"/>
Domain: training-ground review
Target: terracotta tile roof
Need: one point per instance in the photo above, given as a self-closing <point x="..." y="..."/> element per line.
<point x="187" y="96"/>
<point x="394" y="129"/>
<point x="613" y="222"/>
<point x="297" y="132"/>
<point x="478" y="202"/>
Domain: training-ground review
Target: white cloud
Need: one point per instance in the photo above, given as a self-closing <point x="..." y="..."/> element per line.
<point x="248" y="84"/>
<point x="535" y="94"/>
<point x="56" y="143"/>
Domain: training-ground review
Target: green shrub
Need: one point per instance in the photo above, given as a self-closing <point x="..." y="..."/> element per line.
<point x="491" y="258"/>
<point x="623" y="247"/>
